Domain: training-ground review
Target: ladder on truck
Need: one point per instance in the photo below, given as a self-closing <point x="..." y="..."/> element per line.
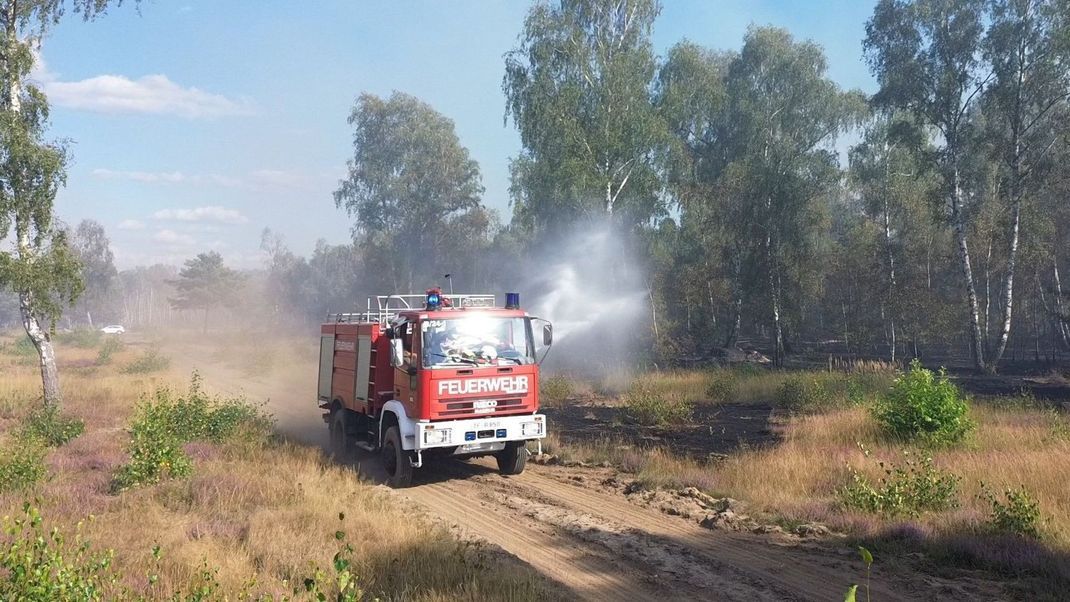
<point x="389" y="306"/>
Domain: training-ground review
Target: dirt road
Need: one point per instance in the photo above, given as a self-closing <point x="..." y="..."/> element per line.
<point x="588" y="537"/>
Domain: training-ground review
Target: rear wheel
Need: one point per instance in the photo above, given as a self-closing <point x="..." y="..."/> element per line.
<point x="513" y="458"/>
<point x="341" y="448"/>
<point x="396" y="460"/>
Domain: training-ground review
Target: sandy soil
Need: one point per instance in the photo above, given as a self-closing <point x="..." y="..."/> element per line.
<point x="581" y="529"/>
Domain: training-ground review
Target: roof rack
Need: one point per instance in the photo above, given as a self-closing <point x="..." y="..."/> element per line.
<point x="388" y="306"/>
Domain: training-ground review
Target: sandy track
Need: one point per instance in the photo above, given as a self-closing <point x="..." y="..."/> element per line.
<point x="593" y="541"/>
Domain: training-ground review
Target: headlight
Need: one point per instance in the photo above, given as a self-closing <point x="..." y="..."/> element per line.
<point x="530" y="429"/>
<point x="437" y="436"/>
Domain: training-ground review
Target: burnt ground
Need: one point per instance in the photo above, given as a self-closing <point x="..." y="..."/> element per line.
<point x="716" y="429"/>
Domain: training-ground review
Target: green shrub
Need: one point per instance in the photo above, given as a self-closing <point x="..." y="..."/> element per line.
<point x="643" y="404"/>
<point x="1017" y="514"/>
<point x="40" y="565"/>
<point x="22" y="465"/>
<point x="47" y="426"/>
<point x="107" y="349"/>
<point x="83" y="337"/>
<point x="924" y="406"/>
<point x="802" y="393"/>
<point x="918" y="487"/>
<point x="166" y="422"/>
<point x="554" y="390"/>
<point x="149" y="361"/>
<point x="724" y="385"/>
<point x="22" y="347"/>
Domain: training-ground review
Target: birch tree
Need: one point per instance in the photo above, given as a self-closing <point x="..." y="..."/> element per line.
<point x="784" y="113"/>
<point x="578" y="89"/>
<point x="1026" y="45"/>
<point x="40" y="269"/>
<point x="926" y="55"/>
<point x="412" y="187"/>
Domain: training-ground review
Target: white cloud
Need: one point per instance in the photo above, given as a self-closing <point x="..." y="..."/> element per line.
<point x="170" y="237"/>
<point x="212" y="213"/>
<point x="131" y="224"/>
<point x="259" y="180"/>
<point x="151" y="95"/>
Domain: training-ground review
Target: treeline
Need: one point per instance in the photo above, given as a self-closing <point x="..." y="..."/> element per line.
<point x="941" y="229"/>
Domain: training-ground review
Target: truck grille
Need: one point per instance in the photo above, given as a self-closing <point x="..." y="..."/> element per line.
<point x="468" y="406"/>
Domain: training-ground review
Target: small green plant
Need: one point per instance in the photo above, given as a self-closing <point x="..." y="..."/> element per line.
<point x="555" y="390"/>
<point x="147" y="362"/>
<point x="107" y="349"/>
<point x="39" y="564"/>
<point x="723" y="385"/>
<point x="908" y="489"/>
<point x="84" y="338"/>
<point x="166" y="422"/>
<point x="802" y="393"/>
<point x="23" y="348"/>
<point x="1018" y="513"/>
<point x="852" y="592"/>
<point x="645" y="405"/>
<point x="340" y="585"/>
<point x="22" y="465"/>
<point x="46" y="425"/>
<point x="924" y="406"/>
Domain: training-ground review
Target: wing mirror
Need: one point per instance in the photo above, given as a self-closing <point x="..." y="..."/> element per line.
<point x="397" y="353"/>
<point x="547" y="334"/>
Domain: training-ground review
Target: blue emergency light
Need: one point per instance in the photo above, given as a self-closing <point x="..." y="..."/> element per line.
<point x="434" y="300"/>
<point x="512" y="300"/>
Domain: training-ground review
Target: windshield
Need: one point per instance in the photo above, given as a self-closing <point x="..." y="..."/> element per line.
<point x="477" y="341"/>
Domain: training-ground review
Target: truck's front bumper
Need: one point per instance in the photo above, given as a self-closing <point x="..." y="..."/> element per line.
<point x="479" y="432"/>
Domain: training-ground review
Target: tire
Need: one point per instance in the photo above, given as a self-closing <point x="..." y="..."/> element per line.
<point x="513" y="458"/>
<point x="396" y="460"/>
<point x="341" y="448"/>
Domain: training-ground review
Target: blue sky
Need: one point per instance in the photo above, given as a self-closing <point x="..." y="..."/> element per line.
<point x="197" y="124"/>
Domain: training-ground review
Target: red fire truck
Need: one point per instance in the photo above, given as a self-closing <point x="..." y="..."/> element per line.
<point x="434" y="374"/>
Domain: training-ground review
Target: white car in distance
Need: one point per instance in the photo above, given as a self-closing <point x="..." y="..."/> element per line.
<point x="113" y="329"/>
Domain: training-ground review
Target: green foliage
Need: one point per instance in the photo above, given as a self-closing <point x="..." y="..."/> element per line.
<point x="83" y="338"/>
<point x="41" y="565"/>
<point x="21" y="465"/>
<point x="205" y="282"/>
<point x="1018" y="513"/>
<point x="411" y="179"/>
<point x="645" y="405"/>
<point x="852" y="592"/>
<point x="587" y="124"/>
<point x="149" y="361"/>
<point x="110" y="347"/>
<point x="917" y="488"/>
<point x="45" y="425"/>
<point x="801" y="392"/>
<point x="554" y="390"/>
<point x="340" y="583"/>
<point x="723" y="385"/>
<point x="924" y="406"/>
<point x="164" y="423"/>
<point x="22" y="347"/>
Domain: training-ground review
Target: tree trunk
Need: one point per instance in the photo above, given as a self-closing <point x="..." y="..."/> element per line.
<point x="45" y="353"/>
<point x="1008" y="283"/>
<point x="1061" y="319"/>
<point x="959" y="227"/>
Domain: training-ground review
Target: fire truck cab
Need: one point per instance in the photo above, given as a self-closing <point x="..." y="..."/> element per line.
<point x="433" y="375"/>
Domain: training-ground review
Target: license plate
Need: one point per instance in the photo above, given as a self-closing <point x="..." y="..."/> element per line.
<point x="484" y="404"/>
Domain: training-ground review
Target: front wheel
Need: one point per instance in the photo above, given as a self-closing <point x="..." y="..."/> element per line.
<point x="341" y="448"/>
<point x="395" y="460"/>
<point x="513" y="458"/>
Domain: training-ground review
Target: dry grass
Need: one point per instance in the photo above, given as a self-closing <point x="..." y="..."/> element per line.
<point x="265" y="514"/>
<point x="1016" y="443"/>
